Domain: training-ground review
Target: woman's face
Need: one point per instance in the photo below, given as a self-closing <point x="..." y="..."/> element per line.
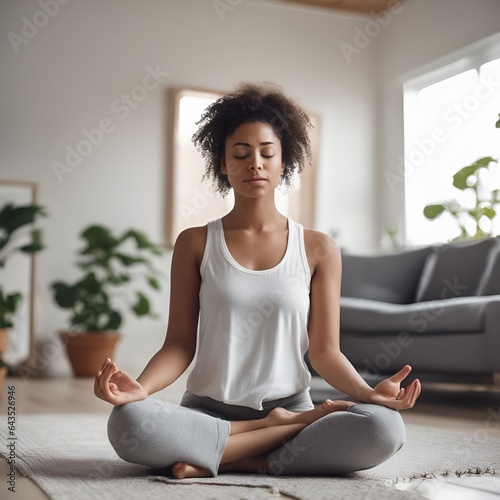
<point x="253" y="159"/>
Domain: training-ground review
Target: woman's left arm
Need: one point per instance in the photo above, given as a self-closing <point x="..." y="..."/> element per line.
<point x="324" y="333"/>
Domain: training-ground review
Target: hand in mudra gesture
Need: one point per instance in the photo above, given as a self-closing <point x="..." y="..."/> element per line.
<point x="389" y="392"/>
<point x="117" y="387"/>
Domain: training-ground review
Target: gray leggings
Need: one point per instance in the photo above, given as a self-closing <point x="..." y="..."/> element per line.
<point x="157" y="434"/>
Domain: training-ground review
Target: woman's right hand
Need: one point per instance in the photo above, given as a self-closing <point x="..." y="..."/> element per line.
<point x="117" y="387"/>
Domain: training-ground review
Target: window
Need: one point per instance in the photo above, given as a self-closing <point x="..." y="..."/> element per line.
<point x="450" y="116"/>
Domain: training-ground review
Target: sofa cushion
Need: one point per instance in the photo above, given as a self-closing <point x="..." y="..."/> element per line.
<point x="490" y="281"/>
<point x="386" y="278"/>
<point x="463" y="314"/>
<point x="456" y="268"/>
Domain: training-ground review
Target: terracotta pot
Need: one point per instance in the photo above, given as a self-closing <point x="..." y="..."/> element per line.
<point x="87" y="351"/>
<point x="3" y="375"/>
<point x="4" y="340"/>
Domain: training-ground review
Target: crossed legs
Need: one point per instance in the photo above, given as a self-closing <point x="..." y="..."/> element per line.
<point x="324" y="440"/>
<point x="249" y="441"/>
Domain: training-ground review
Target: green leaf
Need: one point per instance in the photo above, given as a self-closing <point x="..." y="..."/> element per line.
<point x="478" y="212"/>
<point x="141" y="307"/>
<point x="36" y="236"/>
<point x="433" y="211"/>
<point x="97" y="238"/>
<point x="128" y="260"/>
<point x="488" y="212"/>
<point x="119" y="279"/>
<point x="497" y="124"/>
<point x="86" y="320"/>
<point x="65" y="296"/>
<point x="461" y="177"/>
<point x="36" y="242"/>
<point x="142" y="241"/>
<point x="153" y="282"/>
<point x="114" y="322"/>
<point x="13" y="218"/>
<point x="31" y="248"/>
<point x="474" y="213"/>
<point x="89" y="284"/>
<point x="479" y="234"/>
<point x="12" y="302"/>
<point x="94" y="263"/>
<point x="8" y="306"/>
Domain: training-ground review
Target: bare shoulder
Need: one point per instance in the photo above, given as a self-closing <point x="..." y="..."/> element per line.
<point x="321" y="249"/>
<point x="192" y="235"/>
<point x="190" y="243"/>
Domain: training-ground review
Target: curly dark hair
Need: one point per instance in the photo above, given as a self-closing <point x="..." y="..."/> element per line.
<point x="250" y="102"/>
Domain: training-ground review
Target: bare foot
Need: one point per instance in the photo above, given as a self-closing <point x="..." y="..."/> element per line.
<point x="182" y="470"/>
<point x="330" y="406"/>
<point x="280" y="416"/>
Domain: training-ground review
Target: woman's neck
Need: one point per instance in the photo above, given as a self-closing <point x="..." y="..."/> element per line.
<point x="255" y="214"/>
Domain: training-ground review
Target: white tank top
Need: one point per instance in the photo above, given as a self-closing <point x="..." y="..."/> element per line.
<point x="253" y="324"/>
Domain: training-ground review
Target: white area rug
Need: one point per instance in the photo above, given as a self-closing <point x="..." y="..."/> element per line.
<point x="69" y="457"/>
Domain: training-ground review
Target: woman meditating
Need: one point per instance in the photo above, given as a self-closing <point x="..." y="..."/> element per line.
<point x="251" y="293"/>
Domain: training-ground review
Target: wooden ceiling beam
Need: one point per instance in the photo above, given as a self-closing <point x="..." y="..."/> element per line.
<point x="361" y="6"/>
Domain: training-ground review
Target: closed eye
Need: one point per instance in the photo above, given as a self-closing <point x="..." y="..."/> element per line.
<point x="243" y="157"/>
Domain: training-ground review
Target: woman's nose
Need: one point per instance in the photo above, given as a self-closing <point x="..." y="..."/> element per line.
<point x="255" y="162"/>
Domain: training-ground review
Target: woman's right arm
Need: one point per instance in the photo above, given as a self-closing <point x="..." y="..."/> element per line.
<point x="179" y="347"/>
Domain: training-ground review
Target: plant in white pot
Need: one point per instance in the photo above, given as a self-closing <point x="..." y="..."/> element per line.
<point x="18" y="234"/>
<point x="110" y="274"/>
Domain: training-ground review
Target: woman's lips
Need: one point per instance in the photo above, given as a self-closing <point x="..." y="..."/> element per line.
<point x="256" y="180"/>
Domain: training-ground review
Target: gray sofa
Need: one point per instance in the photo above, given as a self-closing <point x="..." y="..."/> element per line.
<point x="435" y="308"/>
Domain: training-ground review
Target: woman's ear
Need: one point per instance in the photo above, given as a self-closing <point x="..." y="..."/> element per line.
<point x="223" y="169"/>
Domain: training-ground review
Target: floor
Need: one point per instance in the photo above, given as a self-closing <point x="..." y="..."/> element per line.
<point x="470" y="409"/>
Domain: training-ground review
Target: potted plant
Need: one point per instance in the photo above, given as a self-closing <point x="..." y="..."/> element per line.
<point x="484" y="210"/>
<point x="109" y="275"/>
<point x="8" y="306"/>
<point x="14" y="221"/>
<point x="3" y="374"/>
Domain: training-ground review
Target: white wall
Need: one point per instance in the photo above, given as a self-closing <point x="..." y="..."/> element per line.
<point x="422" y="32"/>
<point x="68" y="74"/>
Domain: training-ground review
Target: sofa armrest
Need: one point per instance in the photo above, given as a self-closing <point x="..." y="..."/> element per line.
<point x="493" y="333"/>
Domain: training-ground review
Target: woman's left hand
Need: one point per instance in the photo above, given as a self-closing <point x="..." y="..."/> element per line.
<point x="389" y="392"/>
